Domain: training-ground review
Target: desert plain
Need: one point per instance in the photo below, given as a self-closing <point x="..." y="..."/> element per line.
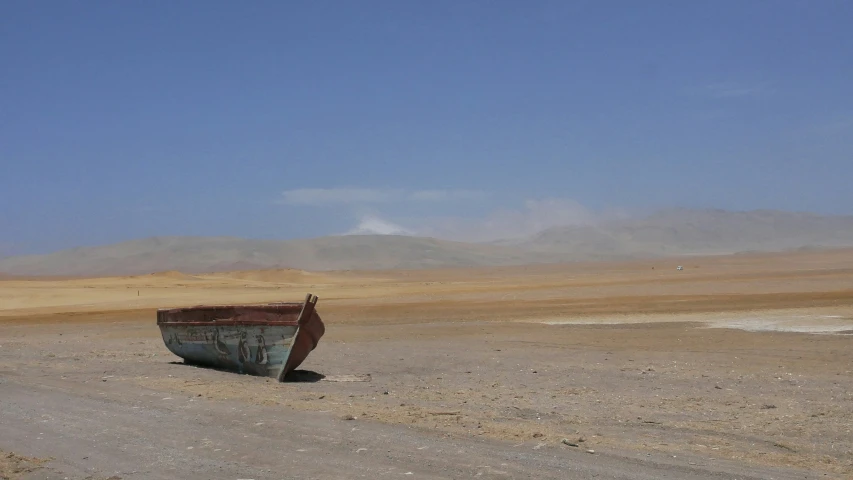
<point x="737" y="366"/>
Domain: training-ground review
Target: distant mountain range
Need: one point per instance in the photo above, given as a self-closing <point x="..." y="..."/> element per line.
<point x="684" y="231"/>
<point x="670" y="232"/>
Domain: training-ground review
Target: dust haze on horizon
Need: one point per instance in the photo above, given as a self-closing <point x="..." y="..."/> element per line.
<point x="378" y="245"/>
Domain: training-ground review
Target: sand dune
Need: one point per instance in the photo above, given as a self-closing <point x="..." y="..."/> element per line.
<point x="738" y="282"/>
<point x="278" y="275"/>
<point x="170" y="274"/>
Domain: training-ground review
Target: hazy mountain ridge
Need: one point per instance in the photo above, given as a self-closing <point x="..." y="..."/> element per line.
<point x="669" y="232"/>
<point x="682" y="231"/>
<point x="206" y="254"/>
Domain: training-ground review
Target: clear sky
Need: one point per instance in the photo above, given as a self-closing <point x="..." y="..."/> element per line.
<point x="276" y="119"/>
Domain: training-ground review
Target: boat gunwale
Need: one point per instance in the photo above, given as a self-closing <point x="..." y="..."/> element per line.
<point x="230" y="323"/>
<point x="263" y="307"/>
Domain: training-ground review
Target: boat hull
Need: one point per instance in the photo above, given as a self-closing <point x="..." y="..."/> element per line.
<point x="268" y="340"/>
<point x="255" y="350"/>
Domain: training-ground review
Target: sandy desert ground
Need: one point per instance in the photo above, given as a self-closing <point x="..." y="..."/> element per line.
<point x="736" y="367"/>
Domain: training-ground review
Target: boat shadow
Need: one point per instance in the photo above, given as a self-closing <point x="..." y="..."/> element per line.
<point x="301" y="376"/>
<point x="296" y="376"/>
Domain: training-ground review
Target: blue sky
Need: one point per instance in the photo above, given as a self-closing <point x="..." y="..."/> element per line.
<point x="461" y="119"/>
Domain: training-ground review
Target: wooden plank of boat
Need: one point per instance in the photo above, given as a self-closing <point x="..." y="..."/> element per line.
<point x="268" y="340"/>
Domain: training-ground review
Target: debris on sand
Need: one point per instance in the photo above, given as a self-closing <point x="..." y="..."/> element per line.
<point x="570" y="443"/>
<point x="13" y="465"/>
<point x="784" y="446"/>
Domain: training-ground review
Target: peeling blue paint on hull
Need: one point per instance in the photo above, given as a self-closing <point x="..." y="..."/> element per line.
<point x="261" y="350"/>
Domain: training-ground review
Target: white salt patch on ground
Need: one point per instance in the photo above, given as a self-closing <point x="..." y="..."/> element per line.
<point x="798" y="324"/>
<point x="769" y="321"/>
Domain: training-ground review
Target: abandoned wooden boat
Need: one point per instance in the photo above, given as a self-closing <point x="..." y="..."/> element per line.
<point x="266" y="340"/>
